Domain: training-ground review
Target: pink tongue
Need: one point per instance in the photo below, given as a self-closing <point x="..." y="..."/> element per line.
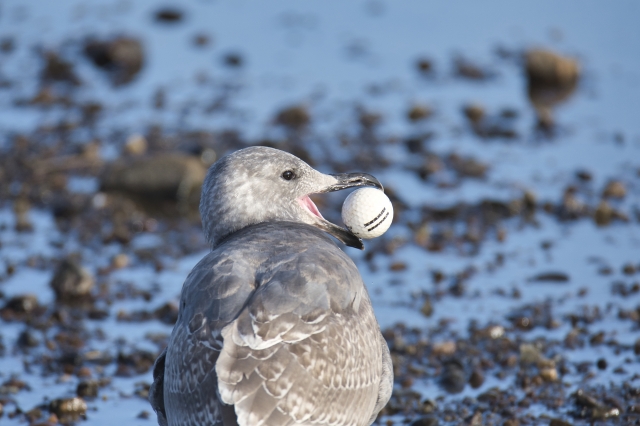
<point x="306" y="201"/>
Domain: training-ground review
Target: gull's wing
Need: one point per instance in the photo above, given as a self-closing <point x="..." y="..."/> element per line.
<point x="306" y="349"/>
<point x="213" y="294"/>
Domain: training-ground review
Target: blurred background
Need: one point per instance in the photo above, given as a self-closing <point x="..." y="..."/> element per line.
<point x="506" y="135"/>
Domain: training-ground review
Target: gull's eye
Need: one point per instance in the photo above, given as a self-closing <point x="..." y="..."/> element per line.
<point x="288" y="175"/>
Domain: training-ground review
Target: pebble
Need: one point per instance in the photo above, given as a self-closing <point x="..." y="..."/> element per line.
<point x="21" y="209"/>
<point x="425" y="421"/>
<point x="467" y="69"/>
<point x="397" y="266"/>
<point x="120" y="261"/>
<point x="87" y="389"/>
<point x="603" y="214"/>
<point x="453" y="378"/>
<point x="13" y="386"/>
<point x="169" y="15"/>
<point x="529" y="354"/>
<point x="26" y="339"/>
<point x="136" y="144"/>
<point x="201" y="40"/>
<point x="419" y="113"/>
<point x="556" y="277"/>
<point x="424" y="66"/>
<point x="559" y="422"/>
<point x="58" y="69"/>
<point x="427" y="308"/>
<point x="476" y="379"/>
<point x="474" y="112"/>
<point x="71" y="281"/>
<point x="33" y="415"/>
<point x="444" y="348"/>
<point x="549" y="374"/>
<point x="614" y="189"/>
<point x="597" y="338"/>
<point x="628" y="269"/>
<point x="232" y="59"/>
<point x="294" y="117"/>
<point x="23" y="304"/>
<point x="121" y="58"/>
<point x="68" y="408"/>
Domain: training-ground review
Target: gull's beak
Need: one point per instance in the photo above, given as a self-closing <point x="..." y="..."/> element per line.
<point x="352" y="180"/>
<point x="343" y="181"/>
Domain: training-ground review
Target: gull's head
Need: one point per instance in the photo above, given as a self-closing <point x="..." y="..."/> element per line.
<point x="261" y="184"/>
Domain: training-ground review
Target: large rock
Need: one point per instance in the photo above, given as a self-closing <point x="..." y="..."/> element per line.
<point x="164" y="176"/>
<point x="546" y="68"/>
<point x="551" y="80"/>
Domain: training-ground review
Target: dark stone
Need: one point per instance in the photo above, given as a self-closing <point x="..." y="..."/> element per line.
<point x="233" y="60"/>
<point x="424" y="66"/>
<point x="167" y="313"/>
<point x="453" y="377"/>
<point x="169" y="15"/>
<point x="555" y="277"/>
<point x="559" y="422"/>
<point x="427" y="307"/>
<point x="87" y="389"/>
<point x="26" y="339"/>
<point x="71" y="281"/>
<point x="294" y="117"/>
<point x="122" y="57"/>
<point x="57" y="69"/>
<point x="137" y="362"/>
<point x="425" y="421"/>
<point x="476" y="379"/>
<point x="24" y="304"/>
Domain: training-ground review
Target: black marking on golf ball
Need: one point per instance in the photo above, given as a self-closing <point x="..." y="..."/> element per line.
<point x="376" y="218"/>
<point x="379" y="223"/>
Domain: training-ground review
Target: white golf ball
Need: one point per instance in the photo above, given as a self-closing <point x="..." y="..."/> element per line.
<point x="367" y="212"/>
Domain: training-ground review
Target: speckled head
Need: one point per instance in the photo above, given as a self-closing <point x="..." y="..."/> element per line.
<point x="261" y="184"/>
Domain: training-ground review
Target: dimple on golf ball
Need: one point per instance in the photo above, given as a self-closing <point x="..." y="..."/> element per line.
<point x="367" y="212"/>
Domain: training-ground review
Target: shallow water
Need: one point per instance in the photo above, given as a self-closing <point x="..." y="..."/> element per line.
<point x="335" y="57"/>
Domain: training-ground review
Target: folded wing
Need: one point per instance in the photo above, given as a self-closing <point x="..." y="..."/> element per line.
<point x="306" y="349"/>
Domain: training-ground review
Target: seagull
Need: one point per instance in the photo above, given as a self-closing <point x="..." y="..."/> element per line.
<point x="275" y="324"/>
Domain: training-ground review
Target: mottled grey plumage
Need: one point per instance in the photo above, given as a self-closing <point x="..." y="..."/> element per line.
<point x="275" y="324"/>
